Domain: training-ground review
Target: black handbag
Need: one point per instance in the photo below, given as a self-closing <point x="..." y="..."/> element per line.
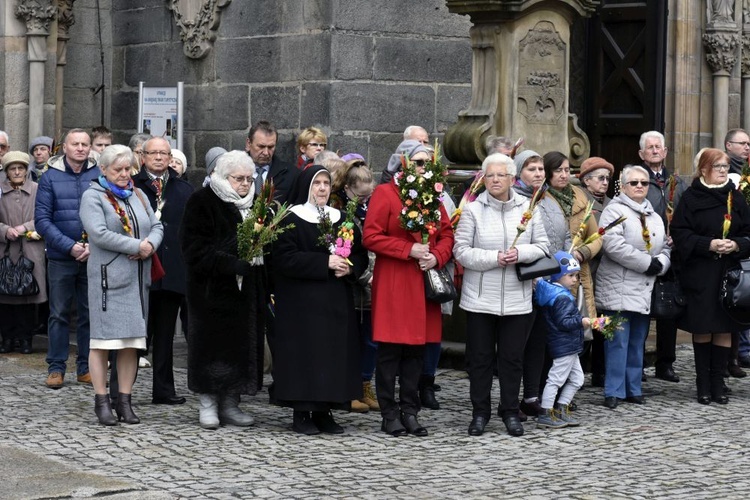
<point x="667" y="299"/>
<point x="734" y="293"/>
<point x="545" y="266"/>
<point x="17" y="279"/>
<point x="439" y="286"/>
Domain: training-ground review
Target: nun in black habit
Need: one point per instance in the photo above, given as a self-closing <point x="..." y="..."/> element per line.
<point x="316" y="358"/>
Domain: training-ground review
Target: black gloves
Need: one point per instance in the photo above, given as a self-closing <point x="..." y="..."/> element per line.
<point x="242" y="268"/>
<point x="655" y="267"/>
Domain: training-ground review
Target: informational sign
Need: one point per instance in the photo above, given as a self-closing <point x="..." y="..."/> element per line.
<point x="160" y="112"/>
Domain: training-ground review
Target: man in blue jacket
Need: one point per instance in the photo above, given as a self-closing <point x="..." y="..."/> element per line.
<point x="56" y="218"/>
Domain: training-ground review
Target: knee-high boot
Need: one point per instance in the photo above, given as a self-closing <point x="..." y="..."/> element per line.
<point x="719" y="359"/>
<point x="702" y="353"/>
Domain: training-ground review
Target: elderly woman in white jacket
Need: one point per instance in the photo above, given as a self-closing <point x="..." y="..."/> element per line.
<point x="498" y="306"/>
<point x="635" y="252"/>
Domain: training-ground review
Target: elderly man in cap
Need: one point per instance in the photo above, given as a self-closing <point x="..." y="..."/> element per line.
<point x="40" y="149"/>
<point x="664" y="199"/>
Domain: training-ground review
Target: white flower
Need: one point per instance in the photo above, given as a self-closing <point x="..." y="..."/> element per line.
<point x="411" y="178"/>
<point x="428" y="175"/>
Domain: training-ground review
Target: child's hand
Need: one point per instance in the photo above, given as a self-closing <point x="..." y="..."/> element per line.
<point x="534" y="282"/>
<point x="586" y="322"/>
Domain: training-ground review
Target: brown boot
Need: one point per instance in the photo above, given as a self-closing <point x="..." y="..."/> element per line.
<point x="369" y="397"/>
<point x="359" y="407"/>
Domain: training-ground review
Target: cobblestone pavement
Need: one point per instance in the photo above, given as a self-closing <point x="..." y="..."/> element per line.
<point x="671" y="447"/>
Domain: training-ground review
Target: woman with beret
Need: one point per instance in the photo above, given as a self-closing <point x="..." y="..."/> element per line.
<point x="635" y="251"/>
<point x="498" y="305"/>
<point x="224" y="294"/>
<point x="704" y="254"/>
<point x="16" y="220"/>
<point x="123" y="234"/>
<point x="316" y="349"/>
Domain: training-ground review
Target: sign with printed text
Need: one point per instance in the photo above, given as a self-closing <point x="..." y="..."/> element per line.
<point x="160" y="113"/>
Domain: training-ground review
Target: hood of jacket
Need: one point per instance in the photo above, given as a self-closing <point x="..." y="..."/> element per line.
<point x="546" y="295"/>
<point x="644" y="208"/>
<point x="58" y="163"/>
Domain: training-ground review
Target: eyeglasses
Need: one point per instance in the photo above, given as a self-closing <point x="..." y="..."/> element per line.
<point x="3" y="146"/>
<point x="317" y="144"/>
<point x="602" y="178"/>
<point x="157" y="153"/>
<point x="492" y="177"/>
<point x="419" y="163"/>
<point x="720" y="166"/>
<point x="637" y="183"/>
<point x="744" y="144"/>
<point x="242" y="178"/>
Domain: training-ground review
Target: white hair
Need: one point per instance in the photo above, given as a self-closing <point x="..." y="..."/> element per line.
<point x="652" y="134"/>
<point x="630" y="169"/>
<point x="114" y="154"/>
<point x="232" y="161"/>
<point x="4" y="134"/>
<point x="411" y="129"/>
<point x="325" y="155"/>
<point x="499" y="159"/>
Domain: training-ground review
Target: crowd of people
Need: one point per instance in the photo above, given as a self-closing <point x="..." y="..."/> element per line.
<point x="123" y="245"/>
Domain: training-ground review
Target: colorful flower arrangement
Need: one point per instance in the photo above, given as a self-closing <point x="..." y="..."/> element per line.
<point x="32" y="236"/>
<point x="341" y="243"/>
<point x="262" y="226"/>
<point x="645" y="233"/>
<point x="420" y="195"/>
<point x="727" y="224"/>
<point x="608" y="325"/>
<point x="124" y="220"/>
<point x="529" y="213"/>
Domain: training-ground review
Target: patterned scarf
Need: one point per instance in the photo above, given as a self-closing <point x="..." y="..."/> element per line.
<point x="565" y="198"/>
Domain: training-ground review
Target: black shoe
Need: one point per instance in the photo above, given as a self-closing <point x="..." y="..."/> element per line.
<point x="412" y="425"/>
<point x="636" y="400"/>
<point x="610" y="402"/>
<point x="392" y="427"/>
<point x="722" y="399"/>
<point x="744" y="361"/>
<point x="103" y="410"/>
<point x="324" y="421"/>
<point x="667" y="374"/>
<point x="427" y="398"/>
<point x="7" y="345"/>
<point x="25" y="346"/>
<point x="735" y="370"/>
<point x="478" y="423"/>
<point x="597" y="380"/>
<point x="125" y="411"/>
<point x="704" y="400"/>
<point x="513" y="425"/>
<point x="533" y="409"/>
<point x="169" y="400"/>
<point x="436" y="387"/>
<point x="302" y="423"/>
<point x="572" y="406"/>
<point x="522" y="416"/>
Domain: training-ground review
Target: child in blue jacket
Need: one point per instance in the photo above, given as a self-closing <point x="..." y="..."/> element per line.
<point x="564" y="340"/>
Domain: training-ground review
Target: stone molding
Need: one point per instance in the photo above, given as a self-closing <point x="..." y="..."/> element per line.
<point x="65" y="18"/>
<point x="37" y="14"/>
<point x="745" y="59"/>
<point x="199" y="33"/>
<point x="720" y="50"/>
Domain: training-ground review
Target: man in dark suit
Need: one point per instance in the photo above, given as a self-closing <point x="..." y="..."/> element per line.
<point x="261" y="145"/>
<point x="168" y="195"/>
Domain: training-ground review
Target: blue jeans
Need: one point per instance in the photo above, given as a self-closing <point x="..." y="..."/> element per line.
<point x="67" y="281"/>
<point x="623" y="356"/>
<point x="431" y="358"/>
<point x="744" y="343"/>
<point x="368" y="348"/>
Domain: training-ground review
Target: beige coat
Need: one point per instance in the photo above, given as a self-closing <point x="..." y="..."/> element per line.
<point x="16" y="208"/>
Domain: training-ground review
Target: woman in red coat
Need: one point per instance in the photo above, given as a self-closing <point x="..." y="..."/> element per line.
<point x="403" y="319"/>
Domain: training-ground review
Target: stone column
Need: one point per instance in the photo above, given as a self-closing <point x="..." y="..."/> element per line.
<point x="37" y="14"/>
<point x="720" y="42"/>
<point x="65" y="19"/>
<point x="520" y="78"/>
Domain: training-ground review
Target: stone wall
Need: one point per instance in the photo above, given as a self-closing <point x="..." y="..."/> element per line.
<point x="361" y="69"/>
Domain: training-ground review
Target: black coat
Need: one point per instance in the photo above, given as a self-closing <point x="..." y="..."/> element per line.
<point x="698" y="219"/>
<point x="223" y="320"/>
<point x="176" y="194"/>
<point x="283" y="175"/>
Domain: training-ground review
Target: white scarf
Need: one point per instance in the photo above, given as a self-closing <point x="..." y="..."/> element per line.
<point x="309" y="213"/>
<point x="226" y="193"/>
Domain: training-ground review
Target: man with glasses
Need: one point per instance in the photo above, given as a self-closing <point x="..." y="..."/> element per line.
<point x="56" y="219"/>
<point x="4" y="144"/>
<point x="737" y="145"/>
<point x="664" y="192"/>
<point x="168" y="195"/>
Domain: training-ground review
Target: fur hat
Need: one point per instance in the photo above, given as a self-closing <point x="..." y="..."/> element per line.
<point x="594" y="163"/>
<point x="42" y="140"/>
<point x="521" y="158"/>
<point x="15" y="157"/>
<point x="568" y="265"/>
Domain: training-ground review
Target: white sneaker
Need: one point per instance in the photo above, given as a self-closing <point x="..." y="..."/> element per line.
<point x="143" y="363"/>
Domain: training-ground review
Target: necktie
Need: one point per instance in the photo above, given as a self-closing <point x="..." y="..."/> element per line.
<point x="659" y="179"/>
<point x="259" y="178"/>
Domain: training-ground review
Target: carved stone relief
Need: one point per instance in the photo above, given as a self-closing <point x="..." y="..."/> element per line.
<point x="542" y="75"/>
<point x="720" y="12"/>
<point x="37" y="14"/>
<point x="745" y="60"/>
<point x="198" y="21"/>
<point x="720" y="50"/>
<point x="65" y="17"/>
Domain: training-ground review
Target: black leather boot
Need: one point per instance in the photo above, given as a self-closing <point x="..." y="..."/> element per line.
<point x="702" y="354"/>
<point x="7" y="345"/>
<point x="427" y="392"/>
<point x="719" y="358"/>
<point x="103" y="410"/>
<point x="125" y="411"/>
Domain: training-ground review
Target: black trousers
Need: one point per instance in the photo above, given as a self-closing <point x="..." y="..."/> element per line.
<point x="490" y="338"/>
<point x="666" y="338"/>
<point x="18" y="321"/>
<point x="163" y="307"/>
<point x="533" y="355"/>
<point x="404" y="361"/>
